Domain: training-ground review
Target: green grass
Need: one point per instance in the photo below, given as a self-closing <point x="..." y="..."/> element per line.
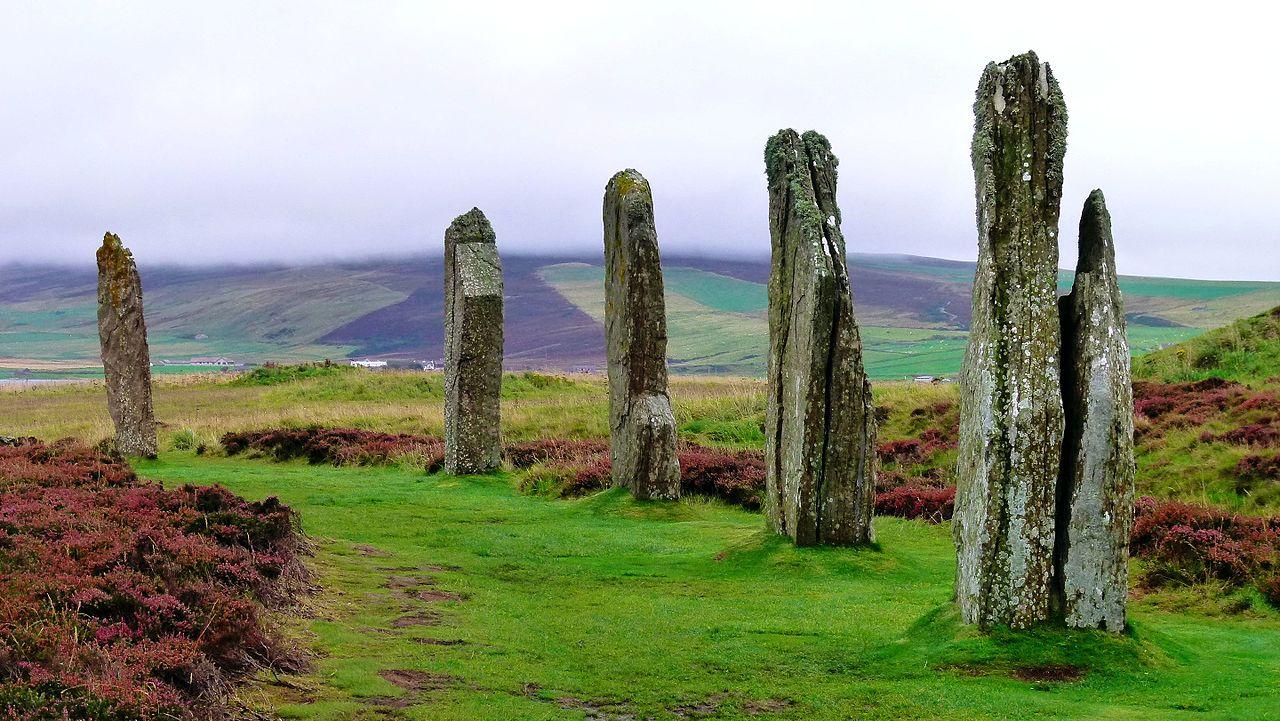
<point x="653" y="610"/>
<point x="1246" y="351"/>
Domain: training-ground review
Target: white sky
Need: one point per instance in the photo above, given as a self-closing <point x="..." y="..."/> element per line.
<point x="298" y="131"/>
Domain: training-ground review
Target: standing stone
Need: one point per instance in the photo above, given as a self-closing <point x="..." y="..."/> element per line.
<point x="641" y="424"/>
<point x="1011" y="417"/>
<point x="472" y="345"/>
<point x="1095" y="489"/>
<point x="126" y="358"/>
<point x="820" y="425"/>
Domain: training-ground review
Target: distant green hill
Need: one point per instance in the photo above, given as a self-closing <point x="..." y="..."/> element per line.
<point x="913" y="311"/>
<point x="1246" y="350"/>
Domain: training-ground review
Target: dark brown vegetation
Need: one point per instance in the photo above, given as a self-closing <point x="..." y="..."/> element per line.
<point x="126" y="600"/>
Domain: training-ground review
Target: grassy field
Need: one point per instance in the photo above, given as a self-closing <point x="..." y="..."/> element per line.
<point x="466" y="600"/>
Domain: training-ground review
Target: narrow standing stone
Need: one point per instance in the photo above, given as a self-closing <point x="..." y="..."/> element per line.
<point x="820" y="425"/>
<point x="126" y="358"/>
<point x="641" y="424"/>
<point x="1095" y="488"/>
<point x="1011" y="418"/>
<point x="473" y="345"/>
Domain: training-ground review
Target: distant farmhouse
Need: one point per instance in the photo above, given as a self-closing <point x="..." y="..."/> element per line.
<point x="366" y="363"/>
<point x="214" y="361"/>
<point x="211" y="361"/>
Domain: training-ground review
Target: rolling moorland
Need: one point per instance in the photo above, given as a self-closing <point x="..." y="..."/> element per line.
<point x="913" y="312"/>
<point x="539" y="594"/>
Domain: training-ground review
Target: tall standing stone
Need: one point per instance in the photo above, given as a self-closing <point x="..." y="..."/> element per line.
<point x="472" y="345"/>
<point x="1011" y="416"/>
<point x="641" y="424"/>
<point x="126" y="358"/>
<point x="820" y="425"/>
<point x="1095" y="488"/>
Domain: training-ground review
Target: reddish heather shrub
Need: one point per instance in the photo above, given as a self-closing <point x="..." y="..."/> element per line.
<point x="1270" y="588"/>
<point x="555" y="451"/>
<point x="1260" y="468"/>
<point x="1253" y="434"/>
<point x="338" y="446"/>
<point x="918" y="502"/>
<point x="905" y="450"/>
<point x="125" y="600"/>
<point x="1186" y="404"/>
<point x="734" y="476"/>
<point x="1184" y="543"/>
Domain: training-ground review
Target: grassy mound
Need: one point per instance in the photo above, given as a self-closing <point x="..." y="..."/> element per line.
<point x="1247" y="351"/>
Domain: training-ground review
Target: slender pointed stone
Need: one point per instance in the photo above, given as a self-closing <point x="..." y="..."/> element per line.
<point x="1011" y="417"/>
<point x="1095" y="488"/>
<point x="126" y="358"/>
<point x="642" y="426"/>
<point x="820" y="424"/>
<point x="473" y="345"/>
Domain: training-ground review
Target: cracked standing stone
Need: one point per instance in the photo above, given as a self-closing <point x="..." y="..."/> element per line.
<point x="126" y="359"/>
<point x="820" y="425"/>
<point x="1011" y="421"/>
<point x="1095" y="488"/>
<point x="473" y="345"/>
<point x="642" y="427"/>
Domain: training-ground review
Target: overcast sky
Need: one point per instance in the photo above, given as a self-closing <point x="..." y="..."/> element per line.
<point x="298" y="131"/>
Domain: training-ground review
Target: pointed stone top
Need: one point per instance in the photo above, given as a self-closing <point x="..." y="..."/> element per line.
<point x="111" y="245"/>
<point x="471" y="227"/>
<point x="1097" y="249"/>
<point x="626" y="182"/>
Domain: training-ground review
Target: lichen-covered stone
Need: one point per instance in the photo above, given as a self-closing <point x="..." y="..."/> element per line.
<point x="1095" y="488"/>
<point x="126" y="358"/>
<point x="642" y="426"/>
<point x="820" y="425"/>
<point x="473" y="345"/>
<point x="1011" y="421"/>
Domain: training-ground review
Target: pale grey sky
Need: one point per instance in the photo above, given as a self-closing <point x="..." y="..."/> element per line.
<point x="296" y="131"/>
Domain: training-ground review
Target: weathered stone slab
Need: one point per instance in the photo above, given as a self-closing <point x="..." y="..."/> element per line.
<point x="473" y="346"/>
<point x="1095" y="488"/>
<point x="641" y="423"/>
<point x="820" y="425"/>
<point x="126" y="358"/>
<point x="1011" y="422"/>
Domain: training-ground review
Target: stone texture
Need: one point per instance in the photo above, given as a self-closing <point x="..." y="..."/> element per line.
<point x="126" y="358"/>
<point x="641" y="424"/>
<point x="1011" y="422"/>
<point x="473" y="345"/>
<point x="820" y="425"/>
<point x="1095" y="488"/>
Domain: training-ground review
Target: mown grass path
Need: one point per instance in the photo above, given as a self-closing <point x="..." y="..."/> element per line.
<point x="457" y="598"/>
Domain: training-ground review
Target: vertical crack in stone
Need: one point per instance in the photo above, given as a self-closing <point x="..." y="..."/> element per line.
<point x="126" y="356"/>
<point x="473" y="345"/>
<point x="642" y="423"/>
<point x="820" y="419"/>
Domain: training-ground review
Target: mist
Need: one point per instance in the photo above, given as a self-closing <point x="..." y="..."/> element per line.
<point x="303" y="132"/>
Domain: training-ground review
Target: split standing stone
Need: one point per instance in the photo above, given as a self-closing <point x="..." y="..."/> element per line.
<point x="820" y="424"/>
<point x="642" y="427"/>
<point x="126" y="358"/>
<point x="473" y="346"/>
<point x="1095" y="489"/>
<point x="1011" y="422"/>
